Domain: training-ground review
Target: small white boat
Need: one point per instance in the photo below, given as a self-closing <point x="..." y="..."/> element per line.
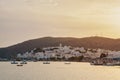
<point x="23" y="62"/>
<point x="14" y="62"/>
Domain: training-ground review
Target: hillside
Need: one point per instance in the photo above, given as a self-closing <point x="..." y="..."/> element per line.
<point x="87" y="42"/>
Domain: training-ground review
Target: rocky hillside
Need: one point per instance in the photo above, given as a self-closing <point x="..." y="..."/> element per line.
<point x="87" y="42"/>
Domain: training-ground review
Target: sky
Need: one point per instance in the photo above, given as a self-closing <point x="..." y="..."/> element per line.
<point x="21" y="20"/>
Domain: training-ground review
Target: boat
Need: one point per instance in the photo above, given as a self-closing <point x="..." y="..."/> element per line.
<point x="24" y="62"/>
<point x="19" y="65"/>
<point x="67" y="63"/>
<point x="46" y="62"/>
<point x="34" y="60"/>
<point x="14" y="62"/>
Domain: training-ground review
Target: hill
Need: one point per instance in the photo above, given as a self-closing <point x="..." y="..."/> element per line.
<point x="87" y="42"/>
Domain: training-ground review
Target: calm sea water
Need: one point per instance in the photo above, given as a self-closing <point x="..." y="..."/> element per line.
<point x="58" y="71"/>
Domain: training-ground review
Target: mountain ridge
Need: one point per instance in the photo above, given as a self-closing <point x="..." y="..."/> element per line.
<point x="87" y="42"/>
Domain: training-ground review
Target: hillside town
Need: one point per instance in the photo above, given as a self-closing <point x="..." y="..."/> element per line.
<point x="68" y="53"/>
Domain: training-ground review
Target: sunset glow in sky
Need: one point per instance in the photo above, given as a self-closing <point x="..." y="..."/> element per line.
<point x="21" y="20"/>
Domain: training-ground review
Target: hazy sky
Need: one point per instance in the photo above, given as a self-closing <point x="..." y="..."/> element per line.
<point x="22" y="20"/>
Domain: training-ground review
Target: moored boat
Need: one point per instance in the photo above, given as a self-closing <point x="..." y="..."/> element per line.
<point x="67" y="63"/>
<point x="14" y="62"/>
<point x="23" y="62"/>
<point x="19" y="65"/>
<point x="46" y="62"/>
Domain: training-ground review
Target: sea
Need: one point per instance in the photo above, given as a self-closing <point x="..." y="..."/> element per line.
<point x="58" y="71"/>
